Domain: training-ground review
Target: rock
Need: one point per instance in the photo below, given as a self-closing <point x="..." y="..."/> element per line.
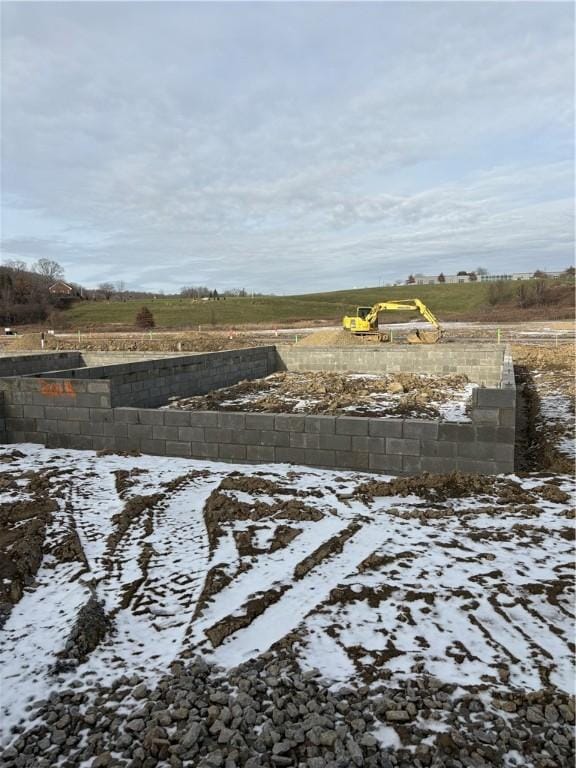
<point x="59" y="737"/>
<point x="225" y="735"/>
<point x="534" y="715"/>
<point x="355" y="752"/>
<point x="281" y="747"/>
<point x="135" y="725"/>
<point x="140" y="692"/>
<point x="104" y="759"/>
<point x="191" y="736"/>
<point x="367" y="740"/>
<point x="551" y="713"/>
<point x="397" y="716"/>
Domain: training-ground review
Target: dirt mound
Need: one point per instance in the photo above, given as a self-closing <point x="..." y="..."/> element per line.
<point x="91" y="626"/>
<point x="190" y="341"/>
<point x="454" y="485"/>
<point x="333" y="338"/>
<point x="545" y="358"/>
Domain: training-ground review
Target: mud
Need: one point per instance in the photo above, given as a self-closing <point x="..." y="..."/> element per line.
<point x="332" y="546"/>
<point x="90" y="629"/>
<point x="249" y="611"/>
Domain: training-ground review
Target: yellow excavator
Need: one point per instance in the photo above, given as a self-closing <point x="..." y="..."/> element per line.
<point x="365" y="322"/>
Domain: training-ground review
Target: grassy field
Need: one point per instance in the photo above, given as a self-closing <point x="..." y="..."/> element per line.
<point x="446" y="301"/>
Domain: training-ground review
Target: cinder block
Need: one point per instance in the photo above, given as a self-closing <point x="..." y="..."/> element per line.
<point x="438" y="464"/>
<point x="54" y="412"/>
<point x="140" y="431"/>
<point x="385" y="427"/>
<point x="32" y="412"/>
<point x="260" y="421"/>
<point x="405" y="447"/>
<point x="438" y="449"/>
<point x="411" y="465"/>
<point x="323" y="425"/>
<point x="505" y="434"/>
<point x="232" y="420"/>
<point x="100" y="415"/>
<point x="287" y="422"/>
<point x="190" y="434"/>
<point x="328" y="442"/>
<point x="155" y="447"/>
<point x="203" y="450"/>
<point x="260" y="453"/>
<point x="507" y="417"/>
<point x="98" y="387"/>
<point x="348" y="460"/>
<point x="420" y="429"/>
<point x="177" y="418"/>
<point x="247" y="436"/>
<point x="127" y="415"/>
<point x="320" y="458"/>
<point x="218" y="435"/>
<point x="477" y="450"/>
<point x="155" y="417"/>
<point x="485" y="415"/>
<point x="69" y="427"/>
<point x="204" y="418"/>
<point x="488" y="433"/>
<point x="385" y="463"/>
<point x="174" y="448"/>
<point x="457" y="433"/>
<point x="291" y="455"/>
<point x="164" y="433"/>
<point x="477" y="467"/>
<point x="276" y="439"/>
<point x="235" y="452"/>
<point x="303" y="440"/>
<point x="495" y="398"/>
<point x="369" y="444"/>
<point x="351" y="425"/>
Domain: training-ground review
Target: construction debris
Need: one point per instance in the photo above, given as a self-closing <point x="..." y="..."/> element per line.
<point x="402" y="394"/>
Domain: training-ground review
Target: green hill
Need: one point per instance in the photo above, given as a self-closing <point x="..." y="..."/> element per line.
<point x="446" y="301"/>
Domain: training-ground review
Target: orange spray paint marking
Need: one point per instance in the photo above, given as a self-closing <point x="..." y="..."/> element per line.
<point x="57" y="388"/>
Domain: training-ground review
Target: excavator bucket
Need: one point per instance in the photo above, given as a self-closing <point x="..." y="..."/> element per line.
<point x="424" y="337"/>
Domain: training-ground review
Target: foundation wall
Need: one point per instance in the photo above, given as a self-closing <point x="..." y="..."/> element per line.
<point x="481" y="363"/>
<point x="21" y="365"/>
<point x="86" y="412"/>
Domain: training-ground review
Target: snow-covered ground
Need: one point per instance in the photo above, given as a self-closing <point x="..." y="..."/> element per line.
<point x="227" y="560"/>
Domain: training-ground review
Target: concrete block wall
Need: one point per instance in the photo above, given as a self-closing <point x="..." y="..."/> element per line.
<point x="90" y="413"/>
<point x="393" y="446"/>
<point x="149" y="383"/>
<point x="480" y="362"/>
<point x="22" y="365"/>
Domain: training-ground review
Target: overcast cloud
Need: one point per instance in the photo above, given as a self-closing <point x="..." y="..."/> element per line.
<point x="287" y="147"/>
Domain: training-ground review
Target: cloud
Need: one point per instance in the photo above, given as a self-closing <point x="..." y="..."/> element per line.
<point x="286" y="147"/>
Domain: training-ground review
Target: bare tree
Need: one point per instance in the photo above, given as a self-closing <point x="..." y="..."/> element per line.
<point x="120" y="286"/>
<point x="481" y="271"/>
<point x="16" y="265"/>
<point x="49" y="269"/>
<point x="106" y="290"/>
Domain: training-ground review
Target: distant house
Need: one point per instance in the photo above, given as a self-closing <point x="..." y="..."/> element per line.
<point x="60" y="288"/>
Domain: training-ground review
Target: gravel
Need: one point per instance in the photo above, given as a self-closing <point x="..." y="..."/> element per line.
<point x="268" y="713"/>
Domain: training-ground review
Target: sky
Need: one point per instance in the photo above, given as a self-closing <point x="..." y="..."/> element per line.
<point x="286" y="147"/>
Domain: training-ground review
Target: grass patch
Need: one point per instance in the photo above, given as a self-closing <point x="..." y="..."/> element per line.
<point x="448" y="302"/>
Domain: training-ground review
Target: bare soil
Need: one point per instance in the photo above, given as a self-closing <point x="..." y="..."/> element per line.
<point x="407" y="395"/>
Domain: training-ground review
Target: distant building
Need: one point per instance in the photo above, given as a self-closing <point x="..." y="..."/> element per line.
<point x="60" y="288"/>
<point x="433" y="279"/>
